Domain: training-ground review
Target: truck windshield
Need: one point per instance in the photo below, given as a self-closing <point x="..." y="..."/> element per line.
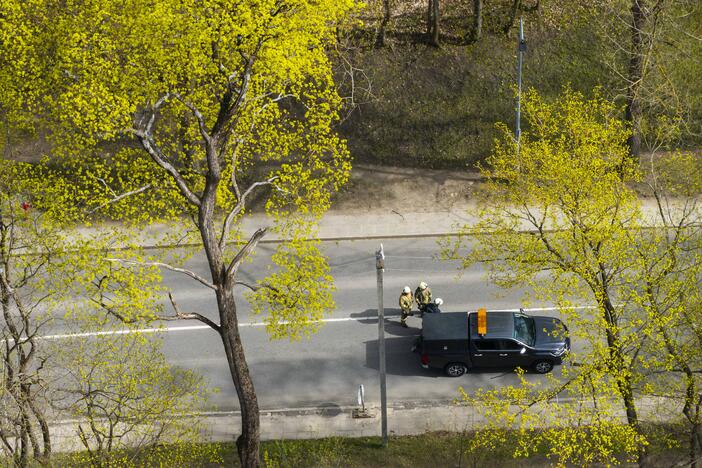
<point x="524" y="329"/>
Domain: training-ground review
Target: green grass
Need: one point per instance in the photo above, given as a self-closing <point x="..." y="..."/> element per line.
<point x="437" y="108"/>
<point x="435" y="450"/>
<point x="440" y="449"/>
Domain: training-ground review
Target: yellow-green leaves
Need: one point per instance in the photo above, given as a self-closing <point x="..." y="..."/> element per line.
<point x="574" y="423"/>
<point x="559" y="215"/>
<point x="125" y="398"/>
<point x="555" y="217"/>
<point x="561" y="201"/>
<point x="198" y="110"/>
<point x="101" y="66"/>
<point x="297" y="293"/>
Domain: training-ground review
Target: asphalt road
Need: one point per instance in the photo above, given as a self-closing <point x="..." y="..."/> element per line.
<point x="326" y="369"/>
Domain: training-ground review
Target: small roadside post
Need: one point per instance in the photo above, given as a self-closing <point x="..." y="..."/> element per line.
<point x="380" y="268"/>
<point x="362" y="412"/>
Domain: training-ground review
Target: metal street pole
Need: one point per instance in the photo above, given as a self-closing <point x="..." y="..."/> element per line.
<point x="380" y="268"/>
<point x="521" y="48"/>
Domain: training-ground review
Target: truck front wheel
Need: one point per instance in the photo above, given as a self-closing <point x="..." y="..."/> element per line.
<point x="543" y="367"/>
<point x="455" y="369"/>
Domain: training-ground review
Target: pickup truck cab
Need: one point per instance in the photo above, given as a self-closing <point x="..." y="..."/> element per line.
<point x="450" y="341"/>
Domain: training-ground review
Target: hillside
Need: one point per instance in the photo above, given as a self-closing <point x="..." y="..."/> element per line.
<point x="425" y="106"/>
<point x="412" y="104"/>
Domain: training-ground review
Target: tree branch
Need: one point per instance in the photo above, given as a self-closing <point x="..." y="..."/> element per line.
<point x="189" y="316"/>
<point x="200" y="120"/>
<point x="149" y="145"/>
<point x="254" y="287"/>
<point x="240" y="206"/>
<point x="147" y="142"/>
<point x="245" y="251"/>
<point x="110" y="310"/>
<point x="121" y="197"/>
<point x="189" y="273"/>
<point x="227" y="108"/>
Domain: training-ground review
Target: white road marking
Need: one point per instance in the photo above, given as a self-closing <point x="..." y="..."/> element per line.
<point x="255" y="324"/>
<point x="404" y="256"/>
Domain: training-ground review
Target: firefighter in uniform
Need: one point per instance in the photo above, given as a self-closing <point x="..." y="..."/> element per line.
<point x="406" y="301"/>
<point x="423" y="296"/>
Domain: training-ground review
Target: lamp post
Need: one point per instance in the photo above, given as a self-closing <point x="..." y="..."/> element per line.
<point x="521" y="48"/>
<point x="380" y="268"/>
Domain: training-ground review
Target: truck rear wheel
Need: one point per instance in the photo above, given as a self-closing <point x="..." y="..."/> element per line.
<point x="543" y="367"/>
<point x="455" y="369"/>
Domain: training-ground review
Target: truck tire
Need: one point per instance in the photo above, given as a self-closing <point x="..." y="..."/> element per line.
<point x="543" y="366"/>
<point x="455" y="369"/>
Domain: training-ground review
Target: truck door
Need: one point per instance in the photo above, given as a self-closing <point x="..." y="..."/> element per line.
<point x="485" y="352"/>
<point x="511" y="355"/>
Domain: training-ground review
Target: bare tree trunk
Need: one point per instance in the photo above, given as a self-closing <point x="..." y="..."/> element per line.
<point x="626" y="390"/>
<point x="694" y="445"/>
<point x="44" y="426"/>
<point x="435" y="30"/>
<point x="380" y="39"/>
<point x="614" y="345"/>
<point x="516" y="5"/>
<point x="633" y="104"/>
<point x="248" y="443"/>
<point x="433" y="22"/>
<point x="697" y="444"/>
<point x="19" y="374"/>
<point x="430" y="22"/>
<point x="477" y="30"/>
<point x="23" y="458"/>
<point x="691" y="406"/>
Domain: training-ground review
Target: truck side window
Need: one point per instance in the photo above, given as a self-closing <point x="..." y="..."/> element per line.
<point x="486" y="345"/>
<point x="524" y="329"/>
<point x="509" y="345"/>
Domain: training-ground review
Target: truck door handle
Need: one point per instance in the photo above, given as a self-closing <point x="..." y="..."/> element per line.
<point x="504" y="354"/>
<point x="478" y="355"/>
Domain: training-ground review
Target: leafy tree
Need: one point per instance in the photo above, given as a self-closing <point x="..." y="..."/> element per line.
<point x="668" y="290"/>
<point x="228" y="101"/>
<point x="562" y="206"/>
<point x="563" y="218"/>
<point x="24" y="428"/>
<point x="562" y="419"/>
<point x="111" y="377"/>
<point x="127" y="398"/>
<point x="17" y="67"/>
<point x="650" y="44"/>
<point x="44" y="272"/>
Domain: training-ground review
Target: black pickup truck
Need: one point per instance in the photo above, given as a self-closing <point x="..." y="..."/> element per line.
<point x="450" y="341"/>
